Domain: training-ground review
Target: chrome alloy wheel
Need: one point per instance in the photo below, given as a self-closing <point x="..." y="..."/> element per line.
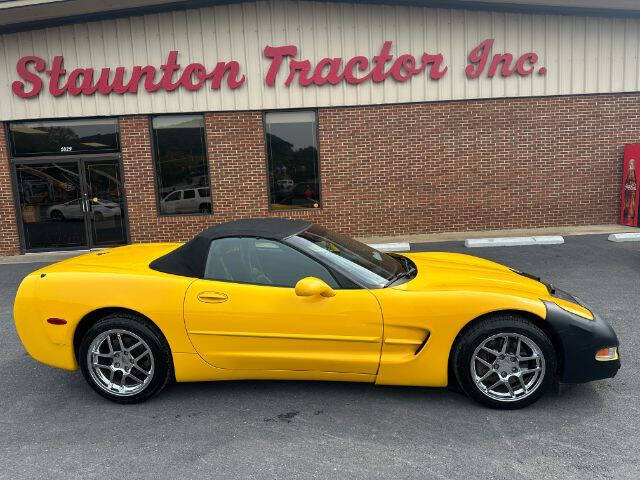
<point x="120" y="362"/>
<point x="507" y="367"/>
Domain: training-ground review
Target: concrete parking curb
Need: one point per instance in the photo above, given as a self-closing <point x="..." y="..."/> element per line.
<point x="624" y="237"/>
<point x="391" y="247"/>
<point x="513" y="241"/>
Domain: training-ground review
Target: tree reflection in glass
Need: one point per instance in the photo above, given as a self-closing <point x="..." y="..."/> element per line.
<point x="293" y="160"/>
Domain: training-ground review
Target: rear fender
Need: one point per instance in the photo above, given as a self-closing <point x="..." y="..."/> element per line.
<point x="73" y="296"/>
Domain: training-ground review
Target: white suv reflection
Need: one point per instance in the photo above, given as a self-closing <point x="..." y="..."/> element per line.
<point x="190" y="200"/>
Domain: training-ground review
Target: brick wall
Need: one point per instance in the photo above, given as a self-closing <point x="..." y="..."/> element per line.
<point x="411" y="168"/>
<point x="9" y="243"/>
<point x="474" y="165"/>
<point x="417" y="168"/>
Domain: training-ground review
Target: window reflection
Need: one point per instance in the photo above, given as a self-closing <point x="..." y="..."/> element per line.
<point x="64" y="137"/>
<point x="181" y="165"/>
<point x="52" y="214"/>
<point x="106" y="204"/>
<point x="293" y="160"/>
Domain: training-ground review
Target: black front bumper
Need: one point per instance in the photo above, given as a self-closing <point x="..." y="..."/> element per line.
<point x="580" y="340"/>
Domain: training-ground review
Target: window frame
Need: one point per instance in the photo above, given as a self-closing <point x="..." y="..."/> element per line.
<point x="266" y="158"/>
<point x="154" y="159"/>
<point x="337" y="277"/>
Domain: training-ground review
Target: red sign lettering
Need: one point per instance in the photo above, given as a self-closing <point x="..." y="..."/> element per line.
<point x="479" y="56"/>
<point x="81" y="81"/>
<point x="331" y="70"/>
<point x="34" y="74"/>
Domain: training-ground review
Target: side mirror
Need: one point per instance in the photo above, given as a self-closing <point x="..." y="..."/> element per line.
<point x="311" y="286"/>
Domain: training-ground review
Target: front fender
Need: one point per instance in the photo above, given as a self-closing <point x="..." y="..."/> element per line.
<point x="410" y="317"/>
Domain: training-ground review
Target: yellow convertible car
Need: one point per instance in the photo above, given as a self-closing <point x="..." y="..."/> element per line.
<point x="286" y="299"/>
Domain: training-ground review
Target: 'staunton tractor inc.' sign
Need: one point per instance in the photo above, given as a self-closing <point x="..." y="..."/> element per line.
<point x="284" y="68"/>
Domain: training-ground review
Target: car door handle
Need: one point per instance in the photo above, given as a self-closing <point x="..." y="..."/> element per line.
<point x="212" y="297"/>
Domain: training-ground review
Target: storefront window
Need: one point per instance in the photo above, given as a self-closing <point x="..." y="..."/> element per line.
<point x="292" y="152"/>
<point x="181" y="164"/>
<point x="61" y="137"/>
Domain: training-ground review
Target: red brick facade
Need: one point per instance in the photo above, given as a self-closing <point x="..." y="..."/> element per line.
<point x="419" y="168"/>
<point x="9" y="243"/>
<point x="475" y="165"/>
<point x="400" y="169"/>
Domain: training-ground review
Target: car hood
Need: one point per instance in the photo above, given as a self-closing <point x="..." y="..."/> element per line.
<point x="456" y="271"/>
<point x="129" y="258"/>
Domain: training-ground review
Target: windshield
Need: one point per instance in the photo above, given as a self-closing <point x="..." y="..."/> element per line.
<point x="365" y="265"/>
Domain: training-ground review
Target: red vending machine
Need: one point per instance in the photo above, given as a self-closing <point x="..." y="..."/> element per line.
<point x="630" y="190"/>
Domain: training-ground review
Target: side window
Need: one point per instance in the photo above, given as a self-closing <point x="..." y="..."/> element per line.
<point x="189" y="194"/>
<point x="261" y="262"/>
<point x="173" y="196"/>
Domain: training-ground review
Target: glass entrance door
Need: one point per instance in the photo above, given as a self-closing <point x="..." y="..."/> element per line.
<point x="70" y="204"/>
<point x="51" y="205"/>
<point x="105" y="203"/>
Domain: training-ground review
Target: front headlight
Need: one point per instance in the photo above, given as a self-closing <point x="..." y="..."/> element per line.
<point x="563" y="299"/>
<point x="575" y="308"/>
<point x="562" y="294"/>
<point x="569" y="302"/>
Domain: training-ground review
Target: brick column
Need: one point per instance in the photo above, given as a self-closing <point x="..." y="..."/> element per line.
<point x="9" y="241"/>
<point x="237" y="165"/>
<point x="139" y="181"/>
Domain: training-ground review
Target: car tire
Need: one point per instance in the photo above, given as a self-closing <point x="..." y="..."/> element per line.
<point x="505" y="361"/>
<point x="134" y="358"/>
<point x="57" y="215"/>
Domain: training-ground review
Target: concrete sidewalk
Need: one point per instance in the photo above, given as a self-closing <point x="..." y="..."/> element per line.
<point x="45" y="257"/>
<point x="516" y="232"/>
<point x="414" y="238"/>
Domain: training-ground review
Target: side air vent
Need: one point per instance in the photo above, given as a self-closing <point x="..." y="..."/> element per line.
<point x="421" y="346"/>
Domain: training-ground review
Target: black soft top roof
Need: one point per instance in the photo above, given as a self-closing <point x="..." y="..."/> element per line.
<point x="190" y="259"/>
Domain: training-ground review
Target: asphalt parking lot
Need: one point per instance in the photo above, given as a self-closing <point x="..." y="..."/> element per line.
<point x="52" y="425"/>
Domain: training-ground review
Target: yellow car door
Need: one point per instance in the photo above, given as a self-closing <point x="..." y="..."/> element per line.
<point x="248" y="316"/>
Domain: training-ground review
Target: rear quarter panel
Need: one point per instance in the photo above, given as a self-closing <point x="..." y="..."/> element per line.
<point x="73" y="293"/>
